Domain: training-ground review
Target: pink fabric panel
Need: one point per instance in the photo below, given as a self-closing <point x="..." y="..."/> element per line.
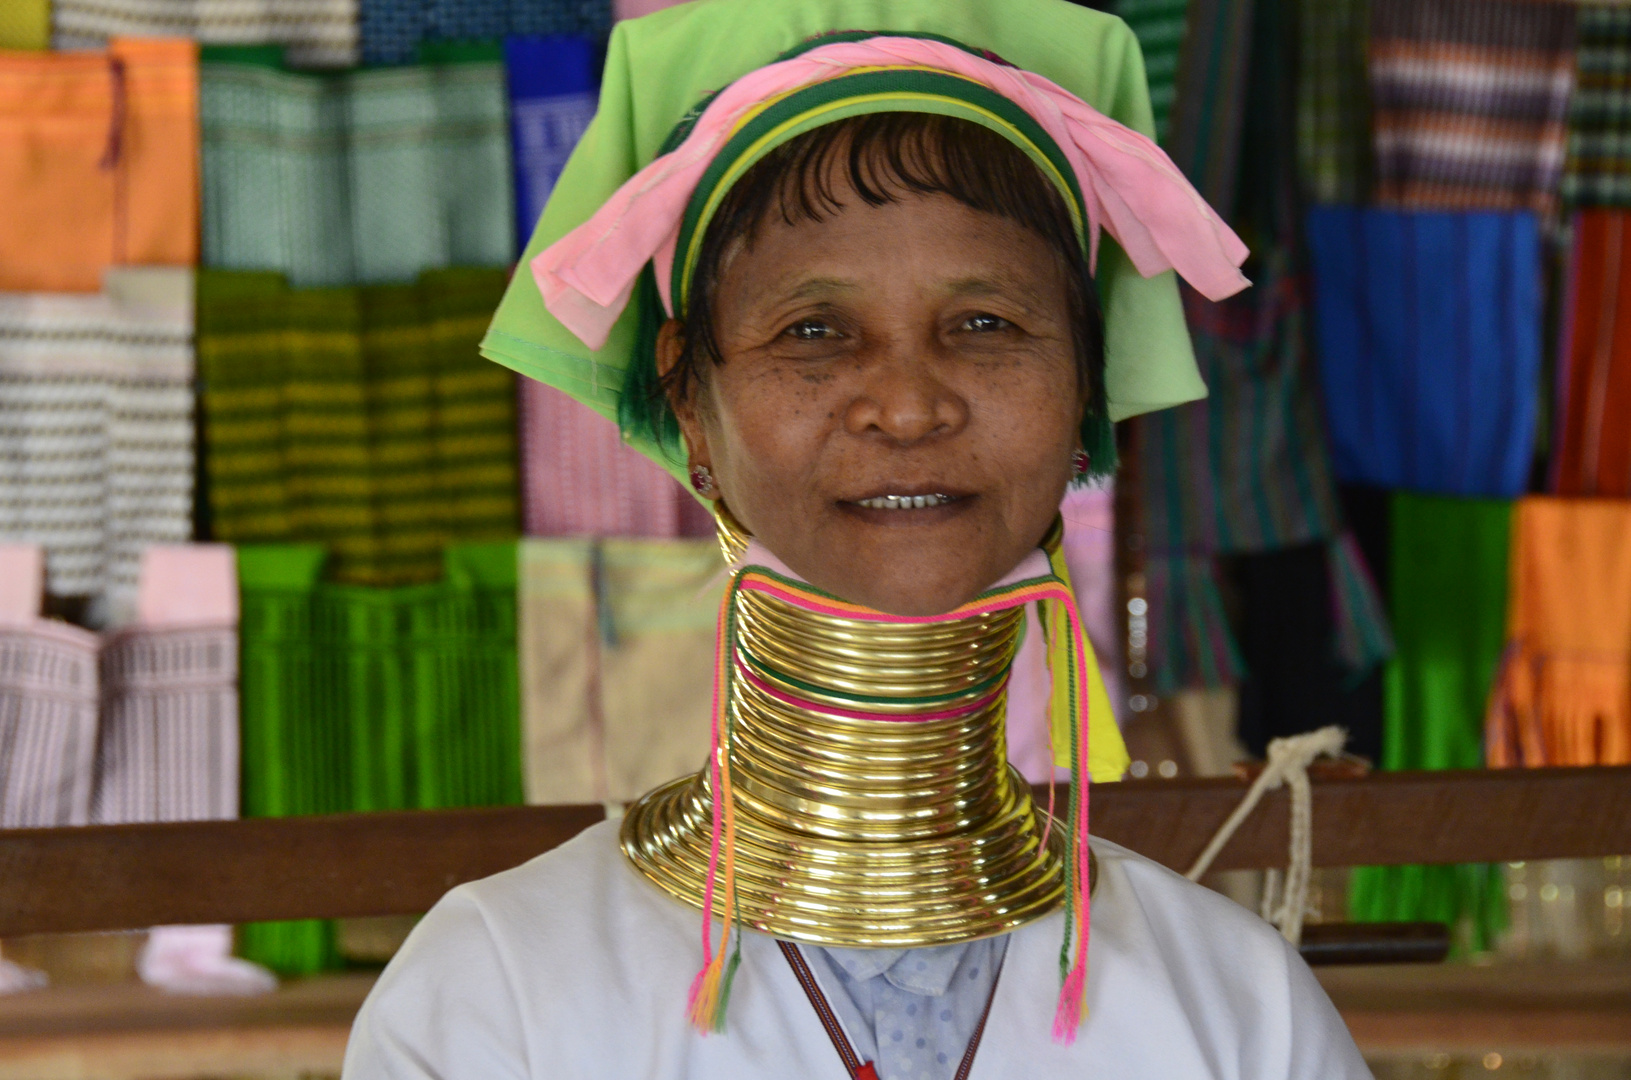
<point x="22" y="583"/>
<point x="1090" y="552"/>
<point x="578" y="478"/>
<point x="188" y="585"/>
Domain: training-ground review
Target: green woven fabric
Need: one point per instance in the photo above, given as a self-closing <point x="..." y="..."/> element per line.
<point x="660" y="66"/>
<point x="360" y="418"/>
<point x="1447" y="593"/>
<point x="1159" y="25"/>
<point x="1333" y="100"/>
<point x="373" y="699"/>
<point x="358" y="177"/>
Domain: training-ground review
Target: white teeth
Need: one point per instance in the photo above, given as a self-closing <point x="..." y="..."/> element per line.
<point x="904" y="502"/>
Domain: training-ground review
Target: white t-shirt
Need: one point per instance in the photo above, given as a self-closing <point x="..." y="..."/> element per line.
<point x="574" y="967"/>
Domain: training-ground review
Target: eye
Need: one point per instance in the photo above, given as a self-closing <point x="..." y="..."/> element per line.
<point x="985" y="324"/>
<point x="810" y="330"/>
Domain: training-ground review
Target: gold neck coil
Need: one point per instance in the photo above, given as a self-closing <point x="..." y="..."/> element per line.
<point x="874" y="803"/>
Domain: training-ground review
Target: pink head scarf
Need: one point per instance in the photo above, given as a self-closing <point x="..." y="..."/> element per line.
<point x="1130" y="187"/>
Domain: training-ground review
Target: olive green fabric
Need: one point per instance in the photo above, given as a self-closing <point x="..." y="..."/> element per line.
<point x="360" y="418"/>
<point x="660" y="66"/>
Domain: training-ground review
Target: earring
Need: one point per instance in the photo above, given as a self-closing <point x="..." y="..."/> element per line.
<point x="702" y="479"/>
<point x="1079" y="461"/>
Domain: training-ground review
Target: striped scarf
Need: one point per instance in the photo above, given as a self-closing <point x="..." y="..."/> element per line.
<point x="360" y="177"/>
<point x="1598" y="172"/>
<point x="373" y="699"/>
<point x="48" y="709"/>
<point x="96" y="425"/>
<point x="360" y="418"/>
<point x="1471" y="102"/>
<point x="317" y="33"/>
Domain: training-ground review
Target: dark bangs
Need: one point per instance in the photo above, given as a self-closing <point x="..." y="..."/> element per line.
<point x="882" y="156"/>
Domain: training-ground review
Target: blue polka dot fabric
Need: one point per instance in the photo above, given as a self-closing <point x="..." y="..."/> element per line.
<point x="911" y="1012"/>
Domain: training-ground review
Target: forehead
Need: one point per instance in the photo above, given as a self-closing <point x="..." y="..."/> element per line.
<point x="914" y="241"/>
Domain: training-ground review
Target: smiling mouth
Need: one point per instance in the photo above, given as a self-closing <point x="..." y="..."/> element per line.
<point x="907" y="502"/>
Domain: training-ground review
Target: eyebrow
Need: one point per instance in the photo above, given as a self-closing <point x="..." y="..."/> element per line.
<point x="991" y="286"/>
<point x="816" y="286"/>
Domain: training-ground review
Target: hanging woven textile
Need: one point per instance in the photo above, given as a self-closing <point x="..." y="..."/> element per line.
<point x="48" y="703"/>
<point x="1209" y="107"/>
<point x="393" y="30"/>
<point x="365" y="176"/>
<point x="552" y="99"/>
<point x="1244" y="471"/>
<point x="373" y="699"/>
<point x="96" y="427"/>
<point x="617" y="644"/>
<point x="1563" y="696"/>
<point x="1598" y="171"/>
<point x="317" y="33"/>
<point x="1333" y="100"/>
<point x="98" y="163"/>
<point x="168" y="748"/>
<point x="579" y="478"/>
<point x="1592" y="439"/>
<point x="1447" y="599"/>
<point x="360" y="418"/>
<point x="25" y="24"/>
<point x="1160" y="26"/>
<point x="1470" y="102"/>
<point x="1429" y="328"/>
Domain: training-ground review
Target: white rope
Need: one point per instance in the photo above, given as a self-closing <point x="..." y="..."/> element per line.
<point x="1288" y="763"/>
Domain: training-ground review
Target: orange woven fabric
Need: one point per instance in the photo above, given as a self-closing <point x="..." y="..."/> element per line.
<point x="1564" y="693"/>
<point x="98" y="163"/>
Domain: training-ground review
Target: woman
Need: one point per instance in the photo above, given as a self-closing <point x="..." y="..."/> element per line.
<point x="851" y="281"/>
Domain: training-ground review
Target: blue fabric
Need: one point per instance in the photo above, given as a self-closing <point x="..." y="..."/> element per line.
<point x="912" y="1012"/>
<point x="391" y="30"/>
<point x="552" y="100"/>
<point x="1429" y="332"/>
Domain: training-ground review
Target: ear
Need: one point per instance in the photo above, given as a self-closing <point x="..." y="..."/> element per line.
<point x="670" y="347"/>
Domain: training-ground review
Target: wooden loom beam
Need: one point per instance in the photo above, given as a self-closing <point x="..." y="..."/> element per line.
<point x="131" y="876"/>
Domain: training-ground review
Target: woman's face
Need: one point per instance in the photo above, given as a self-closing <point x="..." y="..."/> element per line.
<point x="919" y="348"/>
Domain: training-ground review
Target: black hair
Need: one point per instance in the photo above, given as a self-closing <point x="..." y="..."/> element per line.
<point x="886" y="155"/>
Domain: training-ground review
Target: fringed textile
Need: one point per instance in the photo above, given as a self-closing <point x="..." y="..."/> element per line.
<point x="1563" y="696"/>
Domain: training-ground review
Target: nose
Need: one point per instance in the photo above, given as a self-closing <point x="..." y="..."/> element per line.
<point x="906" y="398"/>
